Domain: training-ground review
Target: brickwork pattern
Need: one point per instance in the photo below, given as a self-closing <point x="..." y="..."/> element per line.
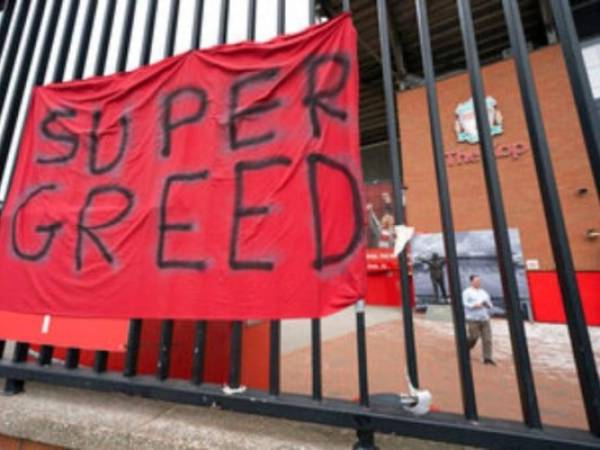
<point x="518" y="178"/>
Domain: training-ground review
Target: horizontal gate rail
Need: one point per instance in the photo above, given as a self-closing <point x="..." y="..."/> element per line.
<point x="443" y="427"/>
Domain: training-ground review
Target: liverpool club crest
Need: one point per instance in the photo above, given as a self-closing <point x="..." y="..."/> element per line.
<point x="466" y="124"/>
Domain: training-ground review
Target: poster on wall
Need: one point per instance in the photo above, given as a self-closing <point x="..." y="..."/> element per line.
<point x="380" y="215"/>
<point x="476" y="251"/>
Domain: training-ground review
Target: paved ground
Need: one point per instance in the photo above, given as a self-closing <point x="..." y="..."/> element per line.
<point x="88" y="420"/>
<point x="496" y="389"/>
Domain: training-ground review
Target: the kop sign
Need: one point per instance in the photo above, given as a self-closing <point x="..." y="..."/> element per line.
<point x="465" y="126"/>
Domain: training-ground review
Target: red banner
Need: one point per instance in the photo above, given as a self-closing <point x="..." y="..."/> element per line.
<point x="219" y="184"/>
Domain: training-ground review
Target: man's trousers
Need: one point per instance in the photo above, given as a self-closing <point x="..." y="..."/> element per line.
<point x="484" y="329"/>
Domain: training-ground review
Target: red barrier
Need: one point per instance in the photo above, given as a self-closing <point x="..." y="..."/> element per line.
<point x="547" y="302"/>
<point x="383" y="279"/>
<point x="108" y="334"/>
<point x="255" y="357"/>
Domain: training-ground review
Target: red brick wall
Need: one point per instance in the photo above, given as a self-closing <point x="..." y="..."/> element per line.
<point x="518" y="179"/>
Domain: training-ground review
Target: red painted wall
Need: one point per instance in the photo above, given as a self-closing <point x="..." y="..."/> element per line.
<point x="255" y="355"/>
<point x="547" y="302"/>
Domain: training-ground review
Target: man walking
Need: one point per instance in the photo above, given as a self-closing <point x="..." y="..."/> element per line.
<point x="477" y="304"/>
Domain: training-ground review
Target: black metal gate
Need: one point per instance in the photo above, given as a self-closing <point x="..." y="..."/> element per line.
<point x="20" y="34"/>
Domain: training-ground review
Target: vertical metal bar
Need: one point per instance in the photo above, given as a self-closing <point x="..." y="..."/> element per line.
<point x="315" y="324"/>
<point x="164" y="352"/>
<point x="197" y="27"/>
<point x="135" y="325"/>
<point x="275" y="325"/>
<point x="133" y="348"/>
<point x="21" y="352"/>
<point x="172" y="28"/>
<point x="63" y="52"/>
<point x="198" y="357"/>
<point x="365" y="436"/>
<point x="397" y="184"/>
<point x="462" y="350"/>
<point x="200" y="340"/>
<point x="274" y="357"/>
<point x="86" y="35"/>
<point x="6" y="17"/>
<point x="126" y="36"/>
<point x="109" y="18"/>
<point x="21" y="74"/>
<point x="580" y="84"/>
<point x="528" y="397"/>
<point x="223" y="21"/>
<point x="366" y="440"/>
<point x="101" y="356"/>
<point x="281" y="16"/>
<point x="317" y="388"/>
<point x="251" y="28"/>
<point x="72" y="358"/>
<point x="14" y="386"/>
<point x="164" y="356"/>
<point x="346" y="5"/>
<point x="73" y="354"/>
<point x="580" y="339"/>
<point x="12" y="48"/>
<point x="45" y="355"/>
<point x="47" y="42"/>
<point x="235" y="355"/>
<point x="100" y="361"/>
<point x="235" y="351"/>
<point x="148" y="32"/>
<point x="166" y="335"/>
<point x="361" y="344"/>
